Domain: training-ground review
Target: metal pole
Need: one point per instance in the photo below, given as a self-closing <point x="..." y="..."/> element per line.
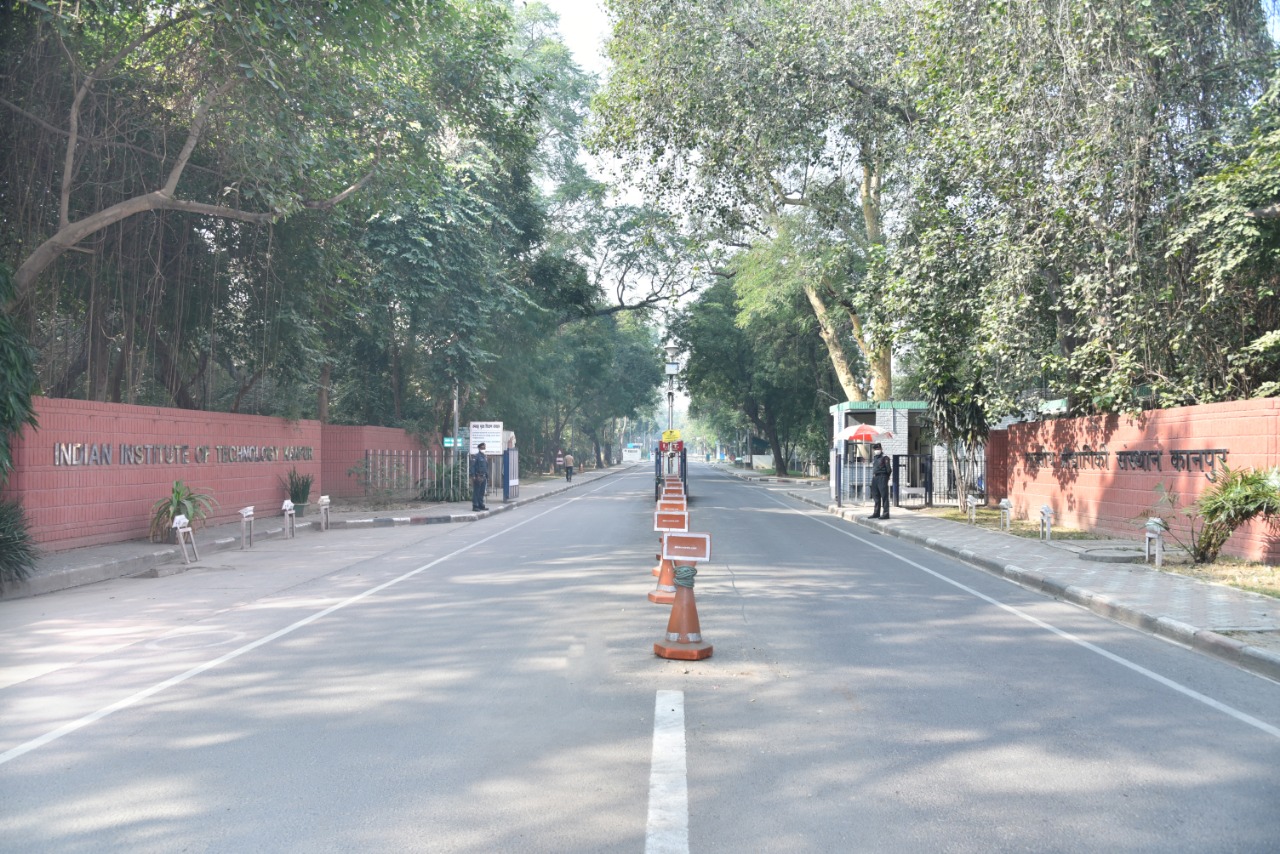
<point x="671" y="410"/>
<point x="453" y="461"/>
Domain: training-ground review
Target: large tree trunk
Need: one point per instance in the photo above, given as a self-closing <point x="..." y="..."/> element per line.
<point x="835" y="349"/>
<point x="771" y="433"/>
<point x="879" y="356"/>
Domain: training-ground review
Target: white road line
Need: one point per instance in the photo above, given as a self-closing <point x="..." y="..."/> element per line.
<point x="133" y="699"/>
<point x="668" y="828"/>
<point x="1217" y="705"/>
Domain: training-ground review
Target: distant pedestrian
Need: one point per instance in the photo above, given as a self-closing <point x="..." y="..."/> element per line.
<point x="479" y="478"/>
<point x="880" y="470"/>
<point x="568" y="466"/>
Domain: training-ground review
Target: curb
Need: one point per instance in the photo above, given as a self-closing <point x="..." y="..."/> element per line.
<point x="163" y="560"/>
<point x="1254" y="659"/>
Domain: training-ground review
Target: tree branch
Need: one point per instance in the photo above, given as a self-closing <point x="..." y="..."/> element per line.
<point x="332" y="202"/>
<point x="73" y="119"/>
<point x="1271" y="211"/>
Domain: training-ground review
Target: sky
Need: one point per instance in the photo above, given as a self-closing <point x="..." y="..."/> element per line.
<point x="584" y="26"/>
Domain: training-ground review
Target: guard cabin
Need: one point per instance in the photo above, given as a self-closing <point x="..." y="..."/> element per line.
<point x="898" y="426"/>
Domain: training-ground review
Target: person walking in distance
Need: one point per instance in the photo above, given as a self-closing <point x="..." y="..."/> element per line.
<point x="568" y="466"/>
<point x="880" y="482"/>
<point x="479" y="478"/>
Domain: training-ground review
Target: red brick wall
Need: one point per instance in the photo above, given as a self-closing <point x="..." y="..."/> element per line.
<point x="74" y="497"/>
<point x="997" y="477"/>
<point x="344" y="449"/>
<point x="1109" y="493"/>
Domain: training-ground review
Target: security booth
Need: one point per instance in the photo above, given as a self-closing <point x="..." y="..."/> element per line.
<point x="896" y="425"/>
<point x="670" y="458"/>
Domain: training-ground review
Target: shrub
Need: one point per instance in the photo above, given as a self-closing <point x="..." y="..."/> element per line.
<point x="450" y="484"/>
<point x="182" y="501"/>
<point x="1237" y="496"/>
<point x="298" y="486"/>
<point x="17" y="551"/>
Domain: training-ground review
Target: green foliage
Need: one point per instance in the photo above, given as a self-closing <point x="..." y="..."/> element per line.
<point x="1237" y="496"/>
<point x="181" y="501"/>
<point x="298" y="485"/>
<point x="17" y="379"/>
<point x="764" y="367"/>
<point x="447" y="484"/>
<point x="17" y="550"/>
<point x="1080" y="198"/>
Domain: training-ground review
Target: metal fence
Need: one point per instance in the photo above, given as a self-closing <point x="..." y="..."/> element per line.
<point x="408" y="475"/>
<point x="918" y="479"/>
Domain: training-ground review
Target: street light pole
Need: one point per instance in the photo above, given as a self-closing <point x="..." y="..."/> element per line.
<point x="673" y="367"/>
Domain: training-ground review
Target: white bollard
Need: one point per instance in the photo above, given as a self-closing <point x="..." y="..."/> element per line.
<point x="1046" y="522"/>
<point x="182" y="528"/>
<point x="1155" y="529"/>
<point x="1006" y="514"/>
<point x="246" y="527"/>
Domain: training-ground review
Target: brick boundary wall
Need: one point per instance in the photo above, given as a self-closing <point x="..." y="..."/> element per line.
<point x="1109" y="481"/>
<point x="344" y="449"/>
<point x="91" y="472"/>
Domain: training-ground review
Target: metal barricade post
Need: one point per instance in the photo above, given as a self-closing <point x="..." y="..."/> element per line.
<point x="246" y="527"/>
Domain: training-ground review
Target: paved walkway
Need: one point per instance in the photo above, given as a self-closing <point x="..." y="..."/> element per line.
<point x="75" y="567"/>
<point x="1235" y="625"/>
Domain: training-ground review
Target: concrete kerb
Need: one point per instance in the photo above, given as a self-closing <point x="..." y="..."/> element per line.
<point x="163" y="559"/>
<point x="1251" y="658"/>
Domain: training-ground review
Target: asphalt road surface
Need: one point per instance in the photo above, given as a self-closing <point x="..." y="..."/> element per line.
<point x="491" y="687"/>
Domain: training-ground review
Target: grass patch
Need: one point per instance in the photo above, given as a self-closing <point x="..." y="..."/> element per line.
<point x="989" y="518"/>
<point x="1233" y="572"/>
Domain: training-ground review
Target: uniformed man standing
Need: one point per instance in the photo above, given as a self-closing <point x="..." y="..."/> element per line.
<point x="479" y="478"/>
<point x="880" y="467"/>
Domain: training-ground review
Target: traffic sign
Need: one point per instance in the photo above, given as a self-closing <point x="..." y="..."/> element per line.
<point x="671" y="435"/>
<point x="448" y="441"/>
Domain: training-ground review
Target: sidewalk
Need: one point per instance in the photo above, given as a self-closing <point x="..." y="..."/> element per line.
<point x="1236" y="625"/>
<point x="75" y="567"/>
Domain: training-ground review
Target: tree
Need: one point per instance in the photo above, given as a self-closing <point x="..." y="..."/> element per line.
<point x="747" y="109"/>
<point x="309" y="125"/>
<point x="765" y="367"/>
<point x="1064" y="139"/>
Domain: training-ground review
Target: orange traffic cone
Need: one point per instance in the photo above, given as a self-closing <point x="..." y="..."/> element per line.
<point x="683" y="640"/>
<point x="665" y="592"/>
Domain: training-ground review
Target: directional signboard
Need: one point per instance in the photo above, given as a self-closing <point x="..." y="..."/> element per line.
<point x="670" y="520"/>
<point x="687" y="547"/>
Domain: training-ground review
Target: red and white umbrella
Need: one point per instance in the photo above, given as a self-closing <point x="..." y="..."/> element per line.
<point x="863" y="433"/>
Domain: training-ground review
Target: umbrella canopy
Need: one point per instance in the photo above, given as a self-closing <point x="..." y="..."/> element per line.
<point x="863" y="433"/>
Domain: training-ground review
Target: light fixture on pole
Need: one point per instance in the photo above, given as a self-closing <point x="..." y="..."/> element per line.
<point x="673" y="368"/>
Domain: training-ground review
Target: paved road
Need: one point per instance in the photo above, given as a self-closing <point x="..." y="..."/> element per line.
<point x="490" y="686"/>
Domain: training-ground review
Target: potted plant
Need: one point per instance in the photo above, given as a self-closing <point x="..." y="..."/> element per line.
<point x="182" y="501"/>
<point x="298" y="486"/>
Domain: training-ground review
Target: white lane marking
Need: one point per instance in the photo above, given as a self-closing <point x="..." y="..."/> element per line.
<point x="1243" y="717"/>
<point x="133" y="699"/>
<point x="668" y="828"/>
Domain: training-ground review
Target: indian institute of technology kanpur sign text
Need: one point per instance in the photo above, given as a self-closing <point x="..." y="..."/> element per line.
<point x="126" y="454"/>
